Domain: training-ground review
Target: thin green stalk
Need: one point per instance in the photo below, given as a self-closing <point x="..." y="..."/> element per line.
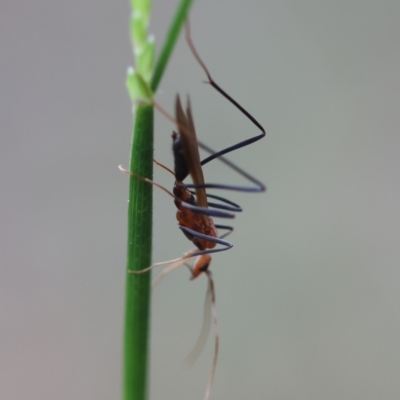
<point x="137" y="288"/>
<point x="169" y="42"/>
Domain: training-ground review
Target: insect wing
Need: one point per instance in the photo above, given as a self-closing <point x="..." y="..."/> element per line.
<point x="190" y="149"/>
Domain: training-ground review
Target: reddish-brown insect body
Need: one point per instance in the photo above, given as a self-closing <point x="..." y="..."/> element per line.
<point x="187" y="162"/>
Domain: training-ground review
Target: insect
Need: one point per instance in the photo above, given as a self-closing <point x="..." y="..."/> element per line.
<point x="194" y="210"/>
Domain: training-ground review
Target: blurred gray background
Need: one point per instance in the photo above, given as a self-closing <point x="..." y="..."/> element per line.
<point x="309" y="297"/>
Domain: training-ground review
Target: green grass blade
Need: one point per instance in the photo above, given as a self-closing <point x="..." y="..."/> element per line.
<point x="169" y="43"/>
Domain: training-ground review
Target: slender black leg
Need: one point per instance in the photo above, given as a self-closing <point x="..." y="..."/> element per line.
<point x="259" y="186"/>
<point x="220" y="241"/>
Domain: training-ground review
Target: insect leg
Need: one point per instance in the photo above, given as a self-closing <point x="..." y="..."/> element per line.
<point x="163" y="166"/>
<point x="199" y="235"/>
<point x="225" y="227"/>
<point x="176" y="262"/>
<point x="259" y="187"/>
<point x="232" y="206"/>
<point x="196" y="209"/>
<point x="211" y="289"/>
<point x="212" y="212"/>
<point x="210" y="314"/>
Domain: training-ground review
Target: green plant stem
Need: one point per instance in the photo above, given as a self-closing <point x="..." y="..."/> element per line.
<point x="137" y="290"/>
<point x="169" y="42"/>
